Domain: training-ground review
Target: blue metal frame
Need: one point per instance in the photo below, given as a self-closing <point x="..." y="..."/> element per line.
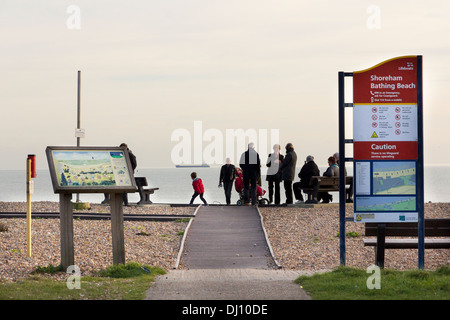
<point x="420" y="166"/>
<point x="342" y="159"/>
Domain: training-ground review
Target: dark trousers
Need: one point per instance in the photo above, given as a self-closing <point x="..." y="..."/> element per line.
<point x="250" y="183"/>
<point x="297" y="187"/>
<point x="227" y="187"/>
<point x="195" y="196"/>
<point x="288" y="191"/>
<point x="275" y="184"/>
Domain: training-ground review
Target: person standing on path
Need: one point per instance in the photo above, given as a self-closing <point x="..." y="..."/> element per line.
<point x="227" y="175"/>
<point x="288" y="171"/>
<point x="199" y="189"/>
<point x="274" y="173"/>
<point x="251" y="171"/>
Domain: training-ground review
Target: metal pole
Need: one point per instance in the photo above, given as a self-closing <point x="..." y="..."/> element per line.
<point x="29" y="182"/>
<point x="420" y="167"/>
<point x="78" y="107"/>
<point x="342" y="170"/>
<point x="78" y="116"/>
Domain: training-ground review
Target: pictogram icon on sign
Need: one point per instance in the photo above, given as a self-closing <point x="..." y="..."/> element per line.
<point x="374" y="124"/>
<point x="374" y="135"/>
<point x="374" y="109"/>
<point x="398" y="131"/>
<point x="398" y="109"/>
<point x="398" y="124"/>
<point x="374" y="117"/>
<point x="398" y="117"/>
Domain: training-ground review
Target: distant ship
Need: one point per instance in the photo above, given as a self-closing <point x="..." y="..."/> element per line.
<point x="203" y="165"/>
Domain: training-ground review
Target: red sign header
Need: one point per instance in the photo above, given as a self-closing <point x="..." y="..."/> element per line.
<point x="393" y="81"/>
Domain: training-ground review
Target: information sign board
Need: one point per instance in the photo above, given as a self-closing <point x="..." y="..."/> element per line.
<point x="385" y="142"/>
<point x="90" y="170"/>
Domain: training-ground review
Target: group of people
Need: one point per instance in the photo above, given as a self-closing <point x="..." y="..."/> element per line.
<point x="279" y="169"/>
<point x="283" y="169"/>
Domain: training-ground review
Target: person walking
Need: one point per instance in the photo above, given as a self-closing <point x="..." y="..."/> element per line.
<point x="199" y="189"/>
<point x="308" y="170"/>
<point x="251" y="171"/>
<point x="288" y="171"/>
<point x="226" y="179"/>
<point x="274" y="173"/>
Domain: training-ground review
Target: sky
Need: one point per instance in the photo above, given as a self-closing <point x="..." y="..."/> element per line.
<point x="153" y="69"/>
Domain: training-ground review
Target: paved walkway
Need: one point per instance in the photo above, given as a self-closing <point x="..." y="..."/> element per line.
<point x="226" y="237"/>
<point x="226" y="256"/>
<point x="227" y="284"/>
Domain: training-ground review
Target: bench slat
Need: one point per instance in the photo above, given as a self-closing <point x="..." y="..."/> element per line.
<point x="433" y="228"/>
<point x="409" y="243"/>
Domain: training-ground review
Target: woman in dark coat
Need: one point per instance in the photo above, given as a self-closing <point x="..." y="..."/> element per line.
<point x="274" y="173"/>
<point x="288" y="171"/>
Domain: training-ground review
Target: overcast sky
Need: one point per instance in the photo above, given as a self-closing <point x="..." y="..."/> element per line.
<point x="150" y="68"/>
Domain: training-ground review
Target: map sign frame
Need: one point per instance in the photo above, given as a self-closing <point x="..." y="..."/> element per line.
<point x="90" y="170"/>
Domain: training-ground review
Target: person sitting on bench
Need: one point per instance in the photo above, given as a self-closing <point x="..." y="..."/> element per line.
<point x="308" y="170"/>
<point x="332" y="171"/>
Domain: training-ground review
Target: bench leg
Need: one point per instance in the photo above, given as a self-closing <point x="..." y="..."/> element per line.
<point x="380" y="247"/>
<point x="310" y="198"/>
<point x="145" y="198"/>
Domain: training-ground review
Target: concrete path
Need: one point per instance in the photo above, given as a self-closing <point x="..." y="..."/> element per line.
<point x="227" y="256"/>
<point x="227" y="284"/>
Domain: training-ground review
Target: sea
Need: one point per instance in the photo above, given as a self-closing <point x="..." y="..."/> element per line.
<point x="175" y="186"/>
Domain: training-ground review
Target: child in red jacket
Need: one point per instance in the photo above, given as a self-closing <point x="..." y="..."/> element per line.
<point x="197" y="184"/>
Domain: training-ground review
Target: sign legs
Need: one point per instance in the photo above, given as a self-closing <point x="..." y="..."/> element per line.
<point x="117" y="231"/>
<point x="66" y="227"/>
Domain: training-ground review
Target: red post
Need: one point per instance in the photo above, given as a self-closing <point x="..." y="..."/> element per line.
<point x="32" y="157"/>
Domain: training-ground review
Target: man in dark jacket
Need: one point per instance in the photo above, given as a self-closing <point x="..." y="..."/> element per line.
<point x="308" y="170"/>
<point x="288" y="171"/>
<point x="227" y="175"/>
<point x="251" y="171"/>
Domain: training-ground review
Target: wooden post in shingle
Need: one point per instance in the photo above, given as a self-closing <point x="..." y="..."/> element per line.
<point x="66" y="227"/>
<point x="117" y="230"/>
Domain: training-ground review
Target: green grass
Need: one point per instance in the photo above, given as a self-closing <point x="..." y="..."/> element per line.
<point x="123" y="282"/>
<point x="346" y="283"/>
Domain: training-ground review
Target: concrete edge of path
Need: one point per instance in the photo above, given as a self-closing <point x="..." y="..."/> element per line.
<point x="267" y="240"/>
<point x="180" y="251"/>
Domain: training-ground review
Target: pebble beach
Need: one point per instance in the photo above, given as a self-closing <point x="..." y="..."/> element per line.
<point x="301" y="238"/>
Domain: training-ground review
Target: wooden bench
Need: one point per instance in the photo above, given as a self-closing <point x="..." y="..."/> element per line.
<point x="327" y="184"/>
<point x="144" y="190"/>
<point x="433" y="228"/>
